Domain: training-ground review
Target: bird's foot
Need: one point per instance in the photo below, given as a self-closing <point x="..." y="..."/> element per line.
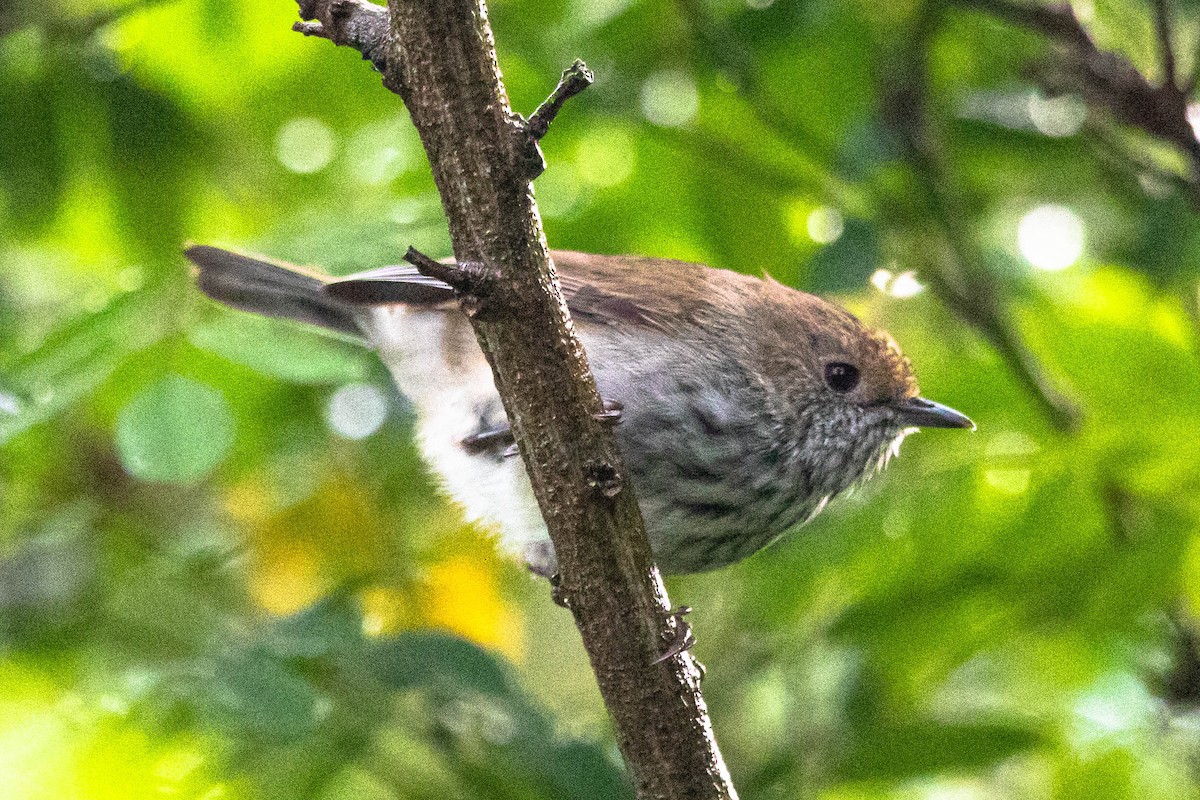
<point x="541" y="561"/>
<point x="611" y="413"/>
<point x="488" y="438"/>
<point x="557" y="593"/>
<point x="683" y="638"/>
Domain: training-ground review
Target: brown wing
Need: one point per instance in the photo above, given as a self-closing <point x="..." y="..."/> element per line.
<point x="608" y="290"/>
<point x="657" y="292"/>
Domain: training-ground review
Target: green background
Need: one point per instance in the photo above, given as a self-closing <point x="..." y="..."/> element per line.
<point x="207" y="592"/>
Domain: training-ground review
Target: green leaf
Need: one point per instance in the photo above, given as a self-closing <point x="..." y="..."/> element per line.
<point x="501" y="738"/>
<point x="432" y="659"/>
<point x="33" y="154"/>
<point x="252" y="694"/>
<point x="331" y="625"/>
<point x="582" y="771"/>
<point x="895" y="752"/>
<point x="176" y="430"/>
<point x="287" y="351"/>
<point x="154" y="146"/>
<point x="78" y="358"/>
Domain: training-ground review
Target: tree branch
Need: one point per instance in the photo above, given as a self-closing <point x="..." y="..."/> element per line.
<point x="960" y="281"/>
<point x="1057" y="21"/>
<point x="1166" y="49"/>
<point x="439" y="56"/>
<point x="1107" y="81"/>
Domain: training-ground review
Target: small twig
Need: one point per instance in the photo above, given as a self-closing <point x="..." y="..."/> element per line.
<point x="1166" y="50"/>
<point x="1056" y="21"/>
<point x="352" y="23"/>
<point x="466" y="278"/>
<point x="431" y="268"/>
<point x="1180" y="686"/>
<point x="682" y="638"/>
<point x="474" y="285"/>
<point x="574" y="80"/>
<point x="988" y="319"/>
<point x="1130" y="165"/>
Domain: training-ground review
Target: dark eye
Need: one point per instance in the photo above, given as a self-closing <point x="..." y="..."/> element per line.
<point x="840" y="376"/>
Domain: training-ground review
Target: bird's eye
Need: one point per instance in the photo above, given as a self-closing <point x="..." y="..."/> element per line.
<point x="840" y="376"/>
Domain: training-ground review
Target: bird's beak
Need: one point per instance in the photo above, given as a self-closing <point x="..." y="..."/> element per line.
<point x="927" y="414"/>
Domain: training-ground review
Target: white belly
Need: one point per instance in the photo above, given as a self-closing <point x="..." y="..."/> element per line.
<point x="437" y="365"/>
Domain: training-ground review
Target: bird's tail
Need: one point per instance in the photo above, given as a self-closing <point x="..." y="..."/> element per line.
<point x="255" y="284"/>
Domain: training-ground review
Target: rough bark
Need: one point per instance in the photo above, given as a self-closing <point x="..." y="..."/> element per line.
<point x="439" y="56"/>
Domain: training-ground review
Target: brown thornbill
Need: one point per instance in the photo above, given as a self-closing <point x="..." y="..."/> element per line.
<point x="744" y="405"/>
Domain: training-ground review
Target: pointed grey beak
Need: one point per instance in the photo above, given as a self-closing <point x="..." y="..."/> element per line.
<point x="928" y="414"/>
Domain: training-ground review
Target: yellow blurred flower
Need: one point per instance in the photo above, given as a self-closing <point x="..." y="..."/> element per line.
<point x="464" y="598"/>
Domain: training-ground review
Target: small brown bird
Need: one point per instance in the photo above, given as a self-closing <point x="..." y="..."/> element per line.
<point x="745" y="405"/>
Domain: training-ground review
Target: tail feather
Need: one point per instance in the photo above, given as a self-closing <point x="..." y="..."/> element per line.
<point x="264" y="287"/>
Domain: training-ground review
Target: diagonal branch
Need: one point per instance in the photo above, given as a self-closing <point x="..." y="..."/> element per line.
<point x="959" y="278"/>
<point x="1108" y="81"/>
<point x="1166" y="49"/>
<point x="1057" y="21"/>
<point x="439" y="56"/>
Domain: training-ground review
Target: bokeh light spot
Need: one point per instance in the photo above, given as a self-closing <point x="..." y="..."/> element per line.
<point x="1113" y="710"/>
<point x="356" y="411"/>
<point x="304" y="145"/>
<point x="131" y="279"/>
<point x="9" y="404"/>
<point x="901" y="285"/>
<point x="1056" y="116"/>
<point x="380" y="152"/>
<point x="249" y="501"/>
<point x="605" y="157"/>
<point x="825" y="225"/>
<point x="1051" y="237"/>
<point x="906" y="285"/>
<point x="385" y="611"/>
<point x="1011" y="444"/>
<point x="594" y="13"/>
<point x="405" y="211"/>
<point x="174" y="430"/>
<point x="670" y="98"/>
<point x="1008" y="481"/>
<point x="882" y="279"/>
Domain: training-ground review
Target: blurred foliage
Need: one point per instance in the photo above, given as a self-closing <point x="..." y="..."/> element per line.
<point x="224" y="572"/>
